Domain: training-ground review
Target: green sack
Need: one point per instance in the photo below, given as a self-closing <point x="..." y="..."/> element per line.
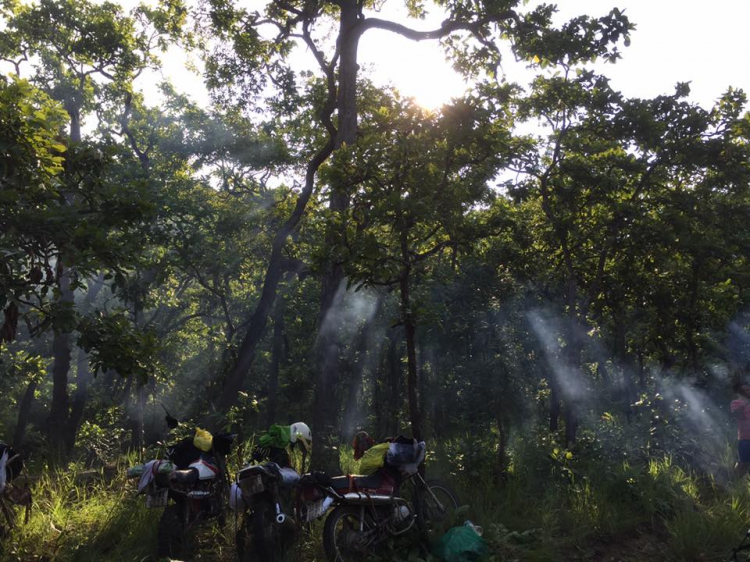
<point x="278" y="437"/>
<point x="373" y="459"/>
<point x="461" y="544"/>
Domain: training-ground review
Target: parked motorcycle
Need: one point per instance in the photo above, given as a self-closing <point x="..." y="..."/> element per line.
<point x="267" y="521"/>
<point x="190" y="484"/>
<point x="11" y="465"/>
<point x="273" y="503"/>
<point x="266" y="495"/>
<point x="371" y="509"/>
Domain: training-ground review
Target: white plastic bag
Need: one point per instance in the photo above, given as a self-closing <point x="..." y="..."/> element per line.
<point x="406" y="456"/>
<point x="235" y="498"/>
<point x="3" y="473"/>
<point x="289" y="476"/>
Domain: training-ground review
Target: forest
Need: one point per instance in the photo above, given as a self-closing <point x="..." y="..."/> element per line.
<point x="547" y="282"/>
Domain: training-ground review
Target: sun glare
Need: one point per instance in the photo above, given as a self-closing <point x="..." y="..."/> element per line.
<point x="417" y="70"/>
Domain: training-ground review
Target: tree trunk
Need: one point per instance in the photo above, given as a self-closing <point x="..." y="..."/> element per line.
<point x="136" y="439"/>
<point x="329" y="370"/>
<point x="257" y="323"/>
<point x="571" y="423"/>
<point x="349" y="425"/>
<point x="412" y="382"/>
<point x="395" y="400"/>
<point x="554" y="402"/>
<point x="572" y="402"/>
<point x="24" y="409"/>
<point x="622" y="357"/>
<point x="277" y="352"/>
<point x="422" y="390"/>
<point x="59" y="409"/>
<point x="379" y="376"/>
<point x="61" y="348"/>
<point x="83" y="378"/>
<point x="641" y="371"/>
<point x="351" y="406"/>
<point x="327" y="380"/>
<point x="502" y="445"/>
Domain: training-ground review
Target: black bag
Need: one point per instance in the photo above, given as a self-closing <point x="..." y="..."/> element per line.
<point x="223" y="443"/>
<point x="183" y="453"/>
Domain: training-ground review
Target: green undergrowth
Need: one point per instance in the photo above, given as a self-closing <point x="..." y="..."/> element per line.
<point x="550" y="504"/>
<point x="83" y="518"/>
<point x="555" y="504"/>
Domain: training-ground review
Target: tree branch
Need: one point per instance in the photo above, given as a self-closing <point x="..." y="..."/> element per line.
<point x="446" y="28"/>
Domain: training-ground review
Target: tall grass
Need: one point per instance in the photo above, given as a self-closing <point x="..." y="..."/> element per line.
<point x="551" y="505"/>
<point x="95" y="520"/>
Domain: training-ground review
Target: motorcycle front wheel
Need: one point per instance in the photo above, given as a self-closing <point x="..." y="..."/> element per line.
<point x="350" y="534"/>
<point x="243" y="536"/>
<point x="270" y="539"/>
<point x="436" y="504"/>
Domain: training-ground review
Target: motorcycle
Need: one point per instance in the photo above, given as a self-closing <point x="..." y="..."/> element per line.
<point x="266" y="525"/>
<point x="11" y="495"/>
<point x="369" y="510"/>
<point x="196" y="483"/>
<point x="270" y="503"/>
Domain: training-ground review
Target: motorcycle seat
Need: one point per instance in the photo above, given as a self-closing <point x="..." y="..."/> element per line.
<point x="188" y="476"/>
<point x="372" y="482"/>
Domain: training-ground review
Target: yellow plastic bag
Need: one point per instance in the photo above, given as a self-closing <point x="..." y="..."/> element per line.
<point x="373" y="459"/>
<point x="203" y="440"/>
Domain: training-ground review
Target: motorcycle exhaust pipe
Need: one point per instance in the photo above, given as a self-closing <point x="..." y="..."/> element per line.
<point x="280" y="517"/>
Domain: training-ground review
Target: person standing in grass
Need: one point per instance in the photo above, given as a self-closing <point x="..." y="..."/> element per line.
<point x="740" y="408"/>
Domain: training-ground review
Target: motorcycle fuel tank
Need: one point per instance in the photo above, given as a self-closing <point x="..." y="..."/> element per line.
<point x="206" y="471"/>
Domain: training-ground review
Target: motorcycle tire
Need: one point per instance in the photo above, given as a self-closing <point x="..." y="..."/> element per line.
<point x="243" y="538"/>
<point x="7" y="518"/>
<point x="171" y="536"/>
<point x="269" y="538"/>
<point x="333" y="540"/>
<point x="434" y="519"/>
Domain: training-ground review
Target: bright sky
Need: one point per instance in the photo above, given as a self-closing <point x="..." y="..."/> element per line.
<point x="675" y="41"/>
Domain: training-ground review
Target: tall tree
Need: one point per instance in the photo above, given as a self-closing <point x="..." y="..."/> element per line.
<point x="78" y="51"/>
<point x="530" y="34"/>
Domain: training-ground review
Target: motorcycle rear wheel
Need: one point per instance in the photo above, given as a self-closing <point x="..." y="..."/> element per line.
<point x="243" y="537"/>
<point x="349" y="534"/>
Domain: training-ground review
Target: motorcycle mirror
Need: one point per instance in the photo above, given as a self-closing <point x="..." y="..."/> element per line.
<point x="172" y="422"/>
